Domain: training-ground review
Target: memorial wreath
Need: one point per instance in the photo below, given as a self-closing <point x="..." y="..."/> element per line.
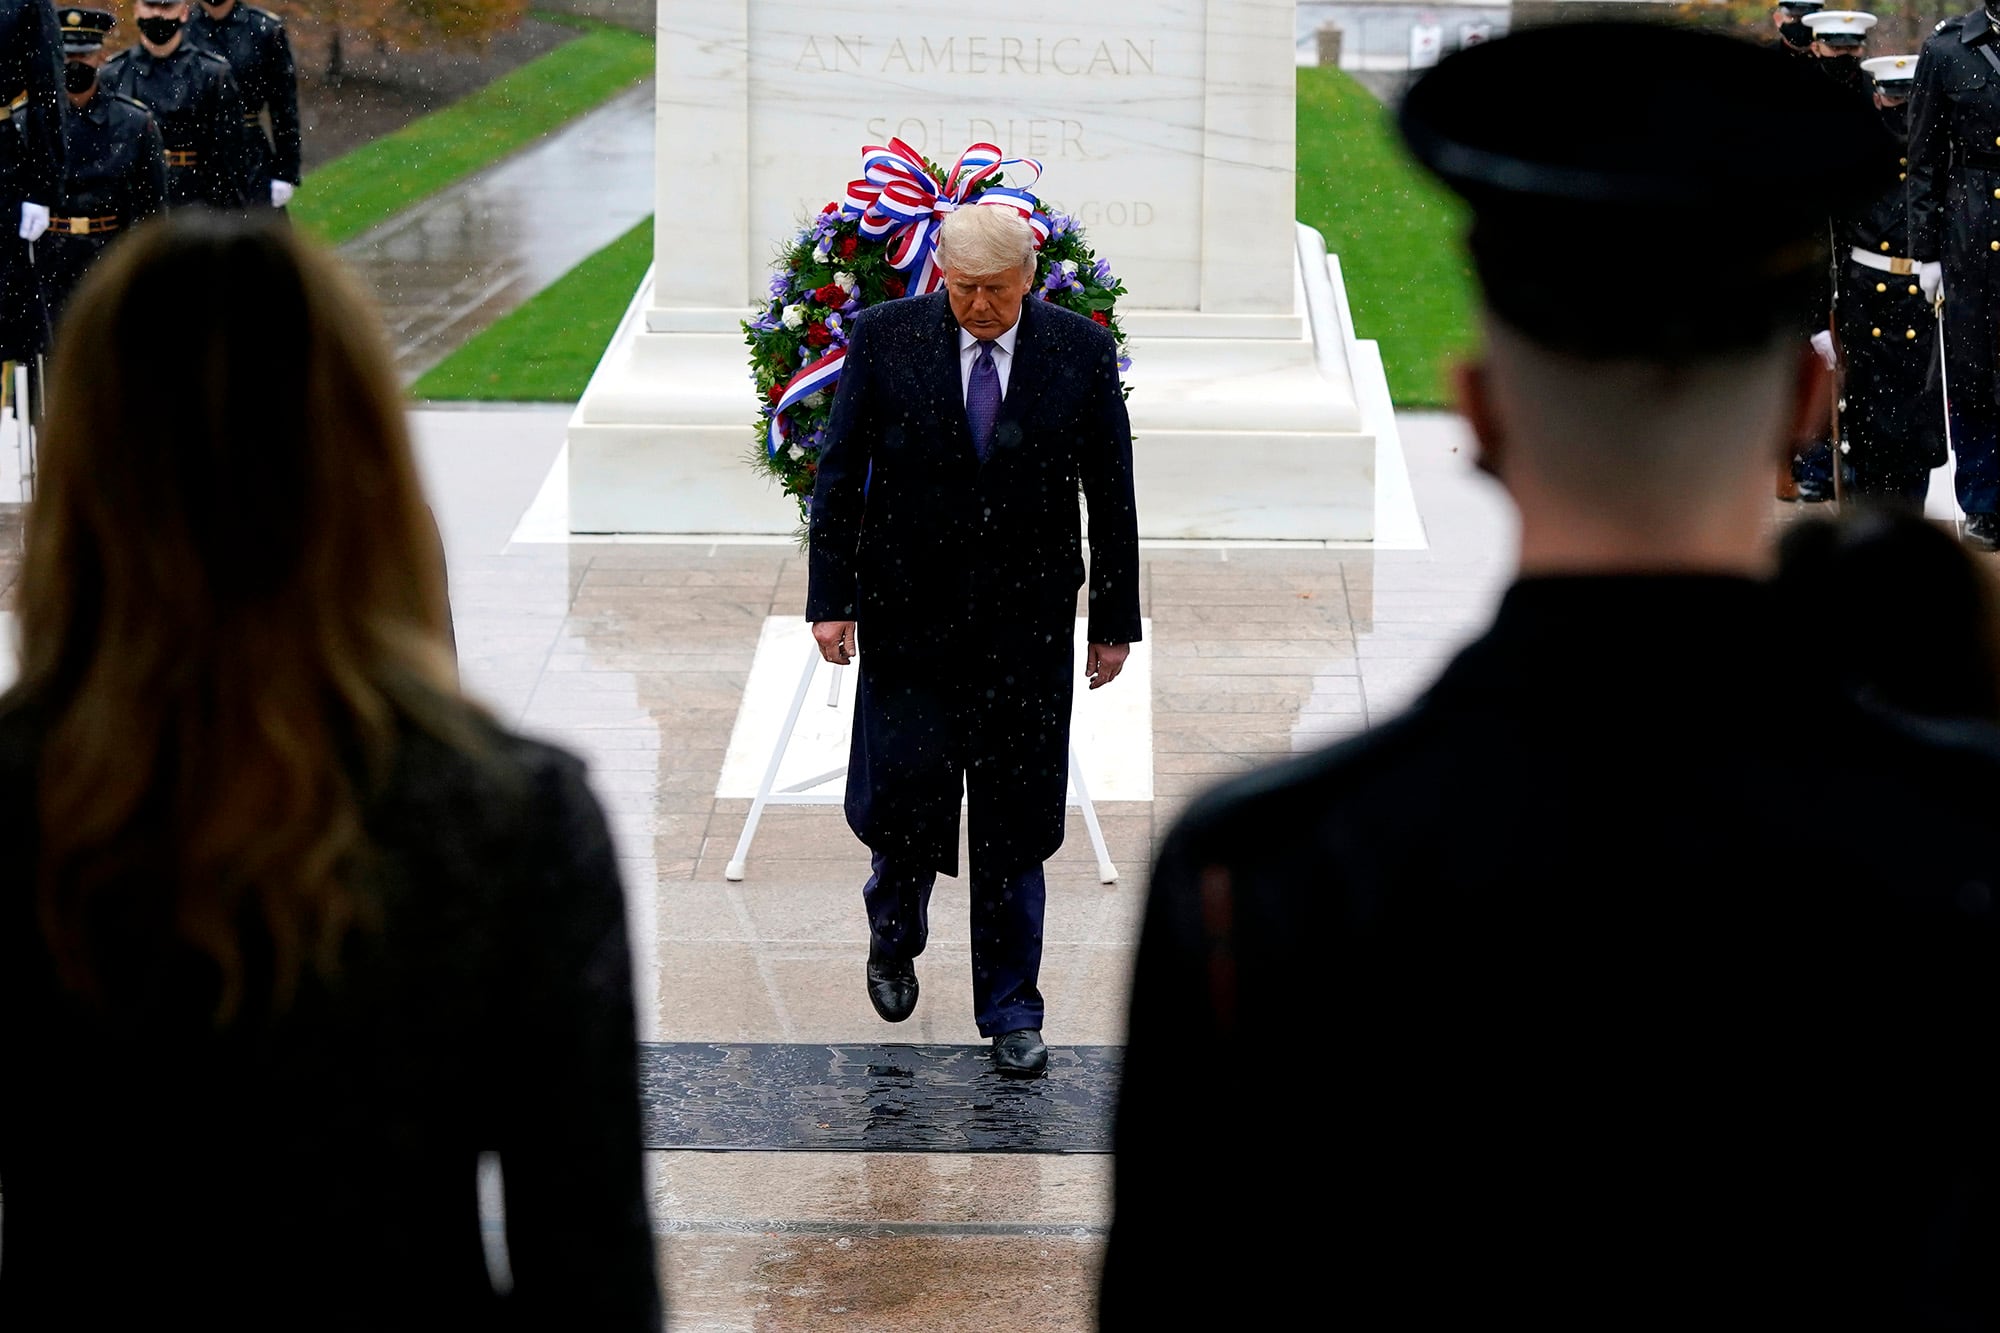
<point x="880" y="244"/>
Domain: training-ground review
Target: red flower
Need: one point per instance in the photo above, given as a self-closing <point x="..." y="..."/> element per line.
<point x="817" y="335"/>
<point x="777" y="391"/>
<point x="832" y="206"/>
<point x="848" y="245"/>
<point x="831" y="296"/>
<point x="894" y="286"/>
<point x="1101" y="318"/>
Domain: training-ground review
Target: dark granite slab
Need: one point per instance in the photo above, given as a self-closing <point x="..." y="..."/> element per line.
<point x="866" y="1098"/>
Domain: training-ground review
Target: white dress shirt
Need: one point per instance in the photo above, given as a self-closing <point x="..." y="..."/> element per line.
<point x="1003" y="359"/>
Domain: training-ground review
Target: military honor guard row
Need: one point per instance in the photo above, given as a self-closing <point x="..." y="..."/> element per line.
<point x="1910" y="312"/>
<point x="201" y="109"/>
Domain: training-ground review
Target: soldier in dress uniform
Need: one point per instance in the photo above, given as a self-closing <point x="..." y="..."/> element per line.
<point x="1567" y="996"/>
<point x="253" y="41"/>
<point x="1954" y="221"/>
<point x="117" y="164"/>
<point x="1794" y="37"/>
<point x="1891" y="420"/>
<point x="1838" y="36"/>
<point x="31" y="167"/>
<point x="195" y="102"/>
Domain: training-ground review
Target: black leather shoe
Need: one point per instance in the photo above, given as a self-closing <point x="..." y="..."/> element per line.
<point x="1982" y="531"/>
<point x="892" y="989"/>
<point x="1020" y="1053"/>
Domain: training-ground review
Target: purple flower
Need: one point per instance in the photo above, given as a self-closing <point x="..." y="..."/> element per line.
<point x="779" y="283"/>
<point x="1102" y="272"/>
<point x="1061" y="224"/>
<point x="1124" y="362"/>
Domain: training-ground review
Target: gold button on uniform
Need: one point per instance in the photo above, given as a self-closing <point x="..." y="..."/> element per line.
<point x="1881" y="286"/>
<point x="1913" y="289"/>
<point x="1874" y="333"/>
<point x="1885" y="247"/>
<point x="1902" y="175"/>
<point x="1909" y="333"/>
<point x="1902" y="161"/>
<point x="1994" y="245"/>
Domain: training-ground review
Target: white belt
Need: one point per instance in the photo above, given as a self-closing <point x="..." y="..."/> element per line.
<point x="1887" y="264"/>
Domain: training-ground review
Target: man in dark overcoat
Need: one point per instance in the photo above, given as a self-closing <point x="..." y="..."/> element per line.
<point x="1571" y="997"/>
<point x="1954" y="192"/>
<point x="945" y="536"/>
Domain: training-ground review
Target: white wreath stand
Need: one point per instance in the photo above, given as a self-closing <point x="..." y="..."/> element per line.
<point x="804" y="793"/>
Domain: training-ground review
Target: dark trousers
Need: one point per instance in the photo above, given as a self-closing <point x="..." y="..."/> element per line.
<point x="1812" y="467"/>
<point x="1006" y="933"/>
<point x="1975" y="448"/>
<point x="1906" y="484"/>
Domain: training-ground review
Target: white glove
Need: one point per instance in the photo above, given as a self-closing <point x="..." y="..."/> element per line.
<point x="34" y="221"/>
<point x="1822" y="343"/>
<point x="1930" y="277"/>
<point x="281" y="193"/>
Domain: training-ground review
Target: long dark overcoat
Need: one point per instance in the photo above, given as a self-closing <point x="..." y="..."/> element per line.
<point x="963" y="576"/>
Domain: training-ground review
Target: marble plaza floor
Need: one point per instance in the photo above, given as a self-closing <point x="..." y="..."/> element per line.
<point x="638" y="654"/>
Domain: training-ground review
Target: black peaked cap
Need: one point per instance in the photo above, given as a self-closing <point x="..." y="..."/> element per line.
<point x="1644" y="207"/>
<point x="84" y="29"/>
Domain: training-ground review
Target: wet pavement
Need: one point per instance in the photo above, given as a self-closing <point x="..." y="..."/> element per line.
<point x="455" y="263"/>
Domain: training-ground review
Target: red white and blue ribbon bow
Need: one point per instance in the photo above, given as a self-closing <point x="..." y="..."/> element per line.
<point x="898" y="198"/>
<point x="821" y="374"/>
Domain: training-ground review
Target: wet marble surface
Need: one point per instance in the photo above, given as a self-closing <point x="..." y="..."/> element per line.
<point x="893" y="1098"/>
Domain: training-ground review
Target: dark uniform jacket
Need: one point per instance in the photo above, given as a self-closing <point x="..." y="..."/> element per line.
<point x="195" y="102"/>
<point x="963" y="576"/>
<point x="253" y="41"/>
<point x="1577" y="997"/>
<point x="31" y="162"/>
<point x="317" y="1164"/>
<point x="1954" y="171"/>
<point x="117" y="179"/>
<point x="1892" y="413"/>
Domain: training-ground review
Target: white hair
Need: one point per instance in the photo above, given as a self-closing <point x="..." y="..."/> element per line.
<point x="980" y="241"/>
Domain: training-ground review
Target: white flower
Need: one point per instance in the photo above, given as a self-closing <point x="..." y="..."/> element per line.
<point x="824" y="250"/>
<point x="1068" y="266"/>
<point x="794" y="316"/>
<point x="847" y="282"/>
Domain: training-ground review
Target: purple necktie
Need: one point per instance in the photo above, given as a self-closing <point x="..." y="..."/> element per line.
<point x="982" y="399"/>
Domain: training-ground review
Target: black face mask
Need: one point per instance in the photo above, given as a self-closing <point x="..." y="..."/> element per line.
<point x="1796" y="32"/>
<point x="1844" y="70"/>
<point x="158" y="29"/>
<point x="78" y="77"/>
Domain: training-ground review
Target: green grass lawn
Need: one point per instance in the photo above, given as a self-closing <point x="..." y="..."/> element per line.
<point x="544" y="351"/>
<point x="1397" y="234"/>
<point x="373" y="183"/>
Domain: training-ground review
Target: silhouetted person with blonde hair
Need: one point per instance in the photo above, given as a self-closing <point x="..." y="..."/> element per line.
<point x="290" y="933"/>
